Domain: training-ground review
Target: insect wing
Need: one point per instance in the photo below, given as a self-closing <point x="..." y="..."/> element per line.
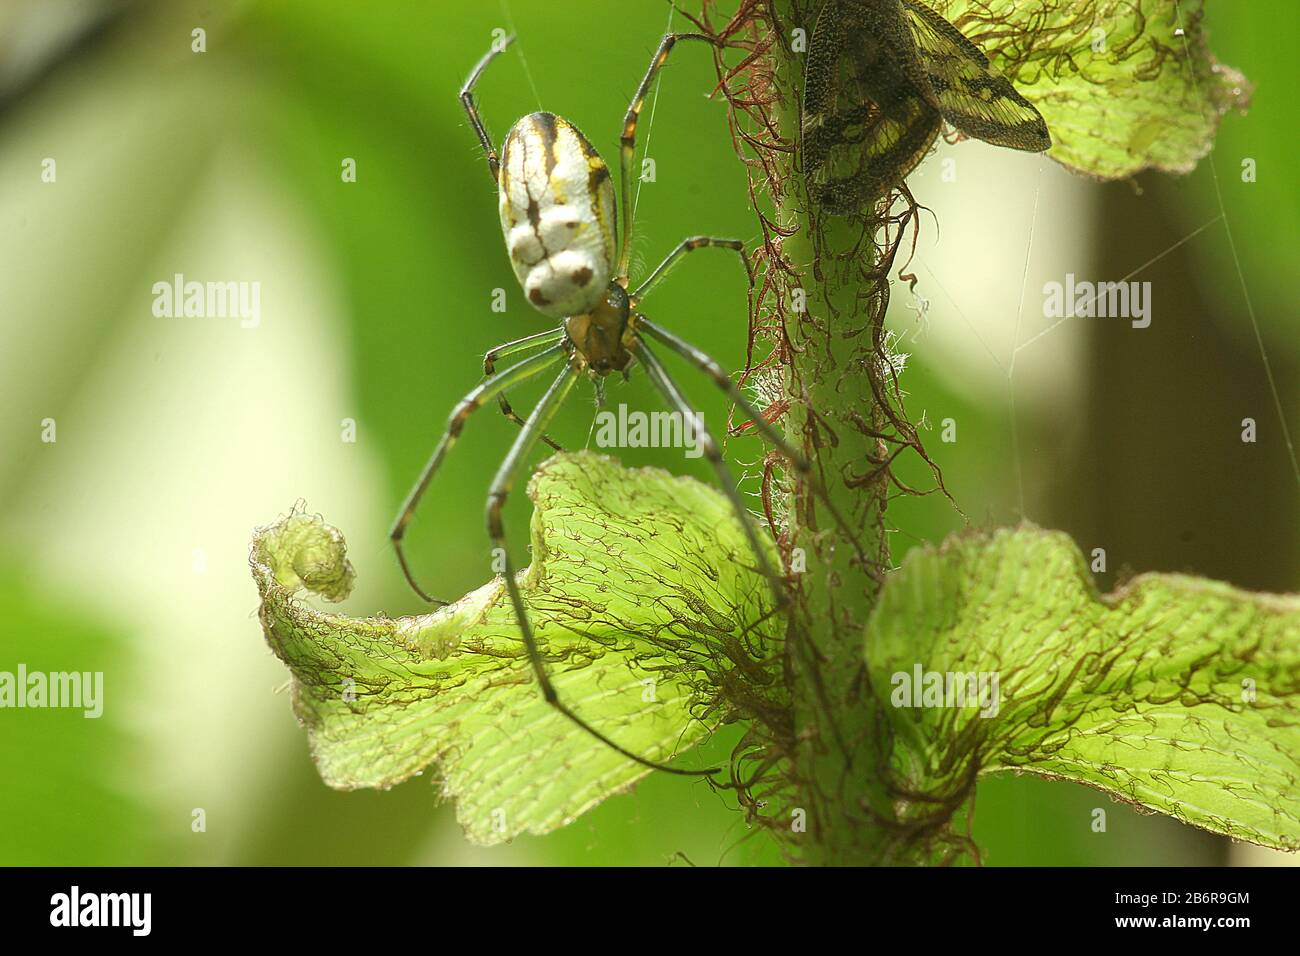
<point x="957" y="80"/>
<point x="865" y="124"/>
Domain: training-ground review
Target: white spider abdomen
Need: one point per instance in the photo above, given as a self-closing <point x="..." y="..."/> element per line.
<point x="557" y="214"/>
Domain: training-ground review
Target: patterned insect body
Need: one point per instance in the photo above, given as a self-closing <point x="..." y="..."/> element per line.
<point x="880" y="79"/>
<point x="557" y="215"/>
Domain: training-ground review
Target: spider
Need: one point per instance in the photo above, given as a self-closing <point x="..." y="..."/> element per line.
<point x="558" y="215"/>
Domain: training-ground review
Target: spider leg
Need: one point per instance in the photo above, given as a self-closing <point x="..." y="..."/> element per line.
<point x="541" y="417"/>
<point x="711" y="368"/>
<point x="658" y="375"/>
<point x="514" y="348"/>
<point x="628" y="141"/>
<point x="690" y="245"/>
<point x="467" y="100"/>
<point x="467" y="406"/>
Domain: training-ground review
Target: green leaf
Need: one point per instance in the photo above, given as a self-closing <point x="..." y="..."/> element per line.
<point x="1174" y="693"/>
<point x="1121" y="88"/>
<point x="644" y="602"/>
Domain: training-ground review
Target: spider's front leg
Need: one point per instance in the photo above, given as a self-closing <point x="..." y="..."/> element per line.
<point x="627" y="142"/>
<point x="471" y="109"/>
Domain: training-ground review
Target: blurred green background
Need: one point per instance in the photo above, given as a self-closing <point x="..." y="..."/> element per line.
<point x="124" y="543"/>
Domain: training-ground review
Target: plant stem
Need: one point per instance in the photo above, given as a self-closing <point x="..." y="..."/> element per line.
<point x="843" y="744"/>
<point x="823" y="295"/>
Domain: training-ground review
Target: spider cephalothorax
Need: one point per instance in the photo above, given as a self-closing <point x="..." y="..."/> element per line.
<point x="561" y="226"/>
<point x="603" y="336"/>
